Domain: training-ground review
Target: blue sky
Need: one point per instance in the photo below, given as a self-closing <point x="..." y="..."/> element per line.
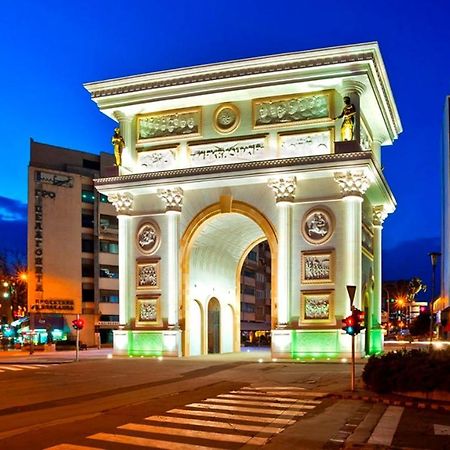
<point x="50" y="48"/>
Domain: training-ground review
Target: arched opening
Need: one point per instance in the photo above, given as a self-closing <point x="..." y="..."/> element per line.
<point x="213" y="326"/>
<point x="196" y="318"/>
<point x="256" y="298"/>
<point x="213" y="250"/>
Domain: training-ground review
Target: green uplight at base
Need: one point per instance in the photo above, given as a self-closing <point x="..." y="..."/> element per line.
<point x="145" y="344"/>
<point x="315" y="344"/>
<point x="376" y="341"/>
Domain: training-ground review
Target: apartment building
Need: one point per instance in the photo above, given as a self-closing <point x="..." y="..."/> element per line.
<point x="72" y="245"/>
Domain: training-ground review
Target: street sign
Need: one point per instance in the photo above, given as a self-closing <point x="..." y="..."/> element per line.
<point x="351" y="293"/>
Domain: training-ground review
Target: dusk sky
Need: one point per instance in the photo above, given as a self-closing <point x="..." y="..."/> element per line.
<point x="50" y="48"/>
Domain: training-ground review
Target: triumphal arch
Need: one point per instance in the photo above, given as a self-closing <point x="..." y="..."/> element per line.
<point x="217" y="158"/>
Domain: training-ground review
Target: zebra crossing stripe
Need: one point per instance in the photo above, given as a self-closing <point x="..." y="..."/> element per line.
<point x="298" y="393"/>
<point x="167" y="431"/>
<point x="256" y="403"/>
<point x="275" y="388"/>
<point x="215" y="424"/>
<point x="145" y="442"/>
<point x="26" y="366"/>
<point x="73" y="447"/>
<point x="228" y="416"/>
<point x="268" y="397"/>
<point x="10" y="368"/>
<point x="243" y="409"/>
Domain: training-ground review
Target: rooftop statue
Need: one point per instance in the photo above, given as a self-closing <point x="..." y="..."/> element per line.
<point x="348" y="124"/>
<point x="118" y="144"/>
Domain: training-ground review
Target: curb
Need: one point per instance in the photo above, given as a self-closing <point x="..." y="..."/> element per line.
<point x="407" y="403"/>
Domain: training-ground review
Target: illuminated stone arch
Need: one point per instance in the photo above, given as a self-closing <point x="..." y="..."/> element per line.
<point x="239" y="216"/>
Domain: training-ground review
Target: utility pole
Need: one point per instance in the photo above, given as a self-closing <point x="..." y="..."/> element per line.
<point x="434" y="258"/>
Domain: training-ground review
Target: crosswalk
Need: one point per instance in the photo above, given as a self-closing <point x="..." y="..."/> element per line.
<point x="250" y="416"/>
<point x="18" y="367"/>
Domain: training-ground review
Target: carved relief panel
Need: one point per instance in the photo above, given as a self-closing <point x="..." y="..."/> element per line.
<point x="292" y="109"/>
<point x="148" y="311"/>
<point x="317" y="306"/>
<point x="169" y="124"/>
<point x="317" y="226"/>
<point x="148" y="275"/>
<point x="318" y="267"/>
<point x="148" y="237"/>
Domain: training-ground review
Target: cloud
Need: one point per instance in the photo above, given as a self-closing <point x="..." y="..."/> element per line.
<point x="12" y="210"/>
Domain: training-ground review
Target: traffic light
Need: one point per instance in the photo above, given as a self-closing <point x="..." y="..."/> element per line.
<point x="348" y="325"/>
<point x="353" y="324"/>
<point x="78" y="324"/>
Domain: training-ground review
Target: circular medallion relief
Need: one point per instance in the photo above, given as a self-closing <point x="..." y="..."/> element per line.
<point x="317" y="226"/>
<point x="226" y="118"/>
<point x="148" y="237"/>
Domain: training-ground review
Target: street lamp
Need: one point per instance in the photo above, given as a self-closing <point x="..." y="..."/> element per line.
<point x="434" y="258"/>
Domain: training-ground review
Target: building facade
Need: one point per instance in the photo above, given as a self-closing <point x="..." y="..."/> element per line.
<point x="442" y="306"/>
<point x="215" y="159"/>
<point x="72" y="245"/>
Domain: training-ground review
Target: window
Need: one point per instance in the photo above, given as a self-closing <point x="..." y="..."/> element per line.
<point x="87" y="196"/>
<point x="108" y="296"/>
<point x="248" y="308"/>
<point x="87" y="219"/>
<point x="248" y="290"/>
<point x="104" y="198"/>
<point x="109" y="272"/>
<point x="252" y="255"/>
<point x="87" y="295"/>
<point x="249" y="273"/>
<point x="87" y="268"/>
<point x="109" y="246"/>
<point x="108" y="222"/>
<point x="87" y="245"/>
<point x="109" y="318"/>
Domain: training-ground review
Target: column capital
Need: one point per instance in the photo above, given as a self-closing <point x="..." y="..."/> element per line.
<point x="353" y="183"/>
<point x="283" y="188"/>
<point x="121" y="117"/>
<point x="173" y="198"/>
<point x="122" y="201"/>
<point x="352" y="87"/>
<point x="379" y="215"/>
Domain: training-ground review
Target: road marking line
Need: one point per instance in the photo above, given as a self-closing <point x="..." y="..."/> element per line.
<point x="9" y="368"/>
<point x="241" y="418"/>
<point x="145" y="442"/>
<point x="272" y="412"/>
<point x="383" y="434"/>
<point x="296" y="394"/>
<point x="253" y="403"/>
<point x="254" y="397"/>
<point x="169" y="431"/>
<point x="290" y="399"/>
<point x="214" y="424"/>
<point x="274" y="388"/>
<point x="72" y="447"/>
<point x="441" y="430"/>
<point x="26" y="366"/>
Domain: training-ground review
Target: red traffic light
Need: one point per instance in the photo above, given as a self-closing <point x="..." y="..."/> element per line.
<point x="78" y="324"/>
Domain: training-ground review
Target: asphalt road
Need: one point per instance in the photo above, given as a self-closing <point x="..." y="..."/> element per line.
<point x="232" y="401"/>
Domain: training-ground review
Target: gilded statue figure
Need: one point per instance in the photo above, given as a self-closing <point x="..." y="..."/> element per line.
<point x="118" y="144"/>
<point x="348" y="124"/>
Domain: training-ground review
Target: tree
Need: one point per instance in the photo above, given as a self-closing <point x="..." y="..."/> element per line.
<point x="420" y="326"/>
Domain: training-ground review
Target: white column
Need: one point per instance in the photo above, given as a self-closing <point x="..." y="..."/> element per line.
<point x="173" y="267"/>
<point x="379" y="215"/>
<point x="353" y="185"/>
<point x="284" y="189"/>
<point x="123" y="202"/>
<point x="125" y="263"/>
<point x="173" y="198"/>
<point x="354" y="89"/>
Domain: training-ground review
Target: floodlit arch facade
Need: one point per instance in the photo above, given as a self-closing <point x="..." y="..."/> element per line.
<point x="220" y="157"/>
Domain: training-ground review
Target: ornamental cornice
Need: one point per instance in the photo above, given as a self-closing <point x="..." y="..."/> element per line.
<point x="122" y="201"/>
<point x="352" y="182"/>
<point x="283" y="188"/>
<point x="361" y="53"/>
<point x="379" y="215"/>
<point x="172" y="197"/>
<point x="235" y="167"/>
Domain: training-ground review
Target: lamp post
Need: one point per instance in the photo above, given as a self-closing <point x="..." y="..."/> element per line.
<point x="434" y="258"/>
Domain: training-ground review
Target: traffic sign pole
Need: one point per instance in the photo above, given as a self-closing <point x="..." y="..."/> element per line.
<point x="353" y="364"/>
<point x="77" y="347"/>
